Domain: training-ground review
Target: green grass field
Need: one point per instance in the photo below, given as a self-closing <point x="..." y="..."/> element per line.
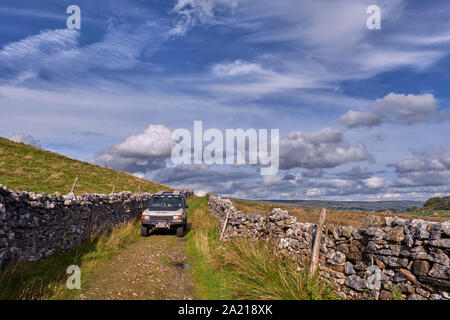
<point x="24" y="167"/>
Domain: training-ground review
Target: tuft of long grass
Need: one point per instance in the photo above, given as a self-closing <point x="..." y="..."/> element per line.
<point x="262" y="273"/>
<point x="113" y="240"/>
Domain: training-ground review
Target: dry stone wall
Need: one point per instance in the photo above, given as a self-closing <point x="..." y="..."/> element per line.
<point x="410" y="257"/>
<point x="34" y="226"/>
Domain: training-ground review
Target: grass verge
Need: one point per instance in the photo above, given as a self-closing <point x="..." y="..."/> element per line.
<point x="241" y="269"/>
<point x="212" y="282"/>
<point x="46" y="279"/>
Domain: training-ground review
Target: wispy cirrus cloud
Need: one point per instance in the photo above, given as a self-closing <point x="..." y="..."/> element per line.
<point x="25" y="58"/>
<point x="238" y="68"/>
<point x="194" y="12"/>
<point x="316" y="55"/>
<point x="59" y="55"/>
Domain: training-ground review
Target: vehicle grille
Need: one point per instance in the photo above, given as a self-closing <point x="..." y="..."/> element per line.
<point x="160" y="218"/>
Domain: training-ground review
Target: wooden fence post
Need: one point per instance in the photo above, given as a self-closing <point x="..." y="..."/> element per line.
<point x="317" y="244"/>
<point x="74" y="184"/>
<point x="140" y="198"/>
<point x="225" y="224"/>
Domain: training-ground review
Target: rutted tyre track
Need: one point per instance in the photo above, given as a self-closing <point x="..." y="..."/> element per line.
<point x="151" y="268"/>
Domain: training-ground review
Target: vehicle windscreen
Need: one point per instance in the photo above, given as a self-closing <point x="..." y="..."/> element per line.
<point x="165" y="203"/>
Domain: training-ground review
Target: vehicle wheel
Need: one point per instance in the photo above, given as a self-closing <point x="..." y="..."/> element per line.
<point x="180" y="231"/>
<point x="144" y="231"/>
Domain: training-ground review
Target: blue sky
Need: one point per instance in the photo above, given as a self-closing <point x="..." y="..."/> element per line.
<point x="363" y="114"/>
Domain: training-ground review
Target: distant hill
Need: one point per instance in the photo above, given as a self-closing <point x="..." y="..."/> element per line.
<point x="438" y="203"/>
<point x="349" y="205"/>
<point x="24" y="167"/>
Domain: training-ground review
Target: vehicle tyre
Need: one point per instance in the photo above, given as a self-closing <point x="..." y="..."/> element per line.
<point x="144" y="231"/>
<point x="180" y="231"/>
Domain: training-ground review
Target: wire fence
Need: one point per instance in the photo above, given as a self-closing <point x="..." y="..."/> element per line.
<point x="187" y="192"/>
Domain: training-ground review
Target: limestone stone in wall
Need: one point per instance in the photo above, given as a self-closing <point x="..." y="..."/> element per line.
<point x="411" y="256"/>
<point x="34" y="226"/>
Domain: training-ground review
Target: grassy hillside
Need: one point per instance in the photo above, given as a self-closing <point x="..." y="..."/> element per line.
<point x="24" y="167"/>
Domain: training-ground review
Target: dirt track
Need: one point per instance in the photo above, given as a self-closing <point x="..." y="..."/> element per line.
<point x="152" y="268"/>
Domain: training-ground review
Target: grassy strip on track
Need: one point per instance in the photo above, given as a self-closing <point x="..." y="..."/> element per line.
<point x="211" y="281"/>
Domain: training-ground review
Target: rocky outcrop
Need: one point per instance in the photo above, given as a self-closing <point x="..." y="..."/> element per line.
<point x="409" y="255"/>
<point x="33" y="226"/>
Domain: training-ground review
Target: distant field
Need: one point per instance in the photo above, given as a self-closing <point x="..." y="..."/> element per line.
<point x="334" y="217"/>
<point x="24" y="167"/>
<point x="350" y="205"/>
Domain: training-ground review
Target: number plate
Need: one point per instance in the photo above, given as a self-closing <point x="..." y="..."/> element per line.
<point x="161" y="225"/>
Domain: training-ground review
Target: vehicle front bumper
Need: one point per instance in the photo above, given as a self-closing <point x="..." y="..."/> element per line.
<point x="161" y="222"/>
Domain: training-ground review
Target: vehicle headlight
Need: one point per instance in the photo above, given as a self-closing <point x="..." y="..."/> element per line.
<point x="177" y="217"/>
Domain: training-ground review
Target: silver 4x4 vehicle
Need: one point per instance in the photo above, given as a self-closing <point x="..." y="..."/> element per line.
<point x="167" y="210"/>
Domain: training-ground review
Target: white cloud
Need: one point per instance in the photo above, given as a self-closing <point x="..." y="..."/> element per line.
<point x="384" y="60"/>
<point x="328" y="42"/>
<point x="376" y="182"/>
<point x="303" y="60"/>
<point x="314" y="192"/>
<point x="24" y="138"/>
<point x="238" y="67"/>
<point x="323" y="149"/>
<point x="45" y="43"/>
<point x="154" y="142"/>
<point x="356" y="119"/>
<point x="193" y="12"/>
<point x="427" y="168"/>
<point x="426" y="40"/>
<point x="408" y="108"/>
<point x="139" y="152"/>
<point x="60" y="55"/>
<point x="200" y="193"/>
<point x="394" y="107"/>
